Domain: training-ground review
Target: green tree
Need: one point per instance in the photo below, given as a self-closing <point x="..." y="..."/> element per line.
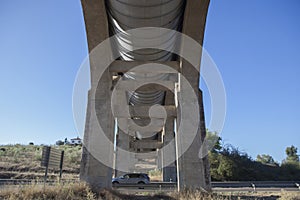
<point x="291" y="153"/>
<point x="213" y="141"/>
<point x="226" y="168"/>
<point x="265" y="159"/>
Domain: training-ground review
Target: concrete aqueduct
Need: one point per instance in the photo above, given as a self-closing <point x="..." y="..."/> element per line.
<point x="103" y="154"/>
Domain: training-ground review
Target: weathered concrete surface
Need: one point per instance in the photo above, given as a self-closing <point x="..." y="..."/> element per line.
<point x="126" y="161"/>
<point x="192" y="170"/>
<point x="169" y="168"/>
<point x="94" y="172"/>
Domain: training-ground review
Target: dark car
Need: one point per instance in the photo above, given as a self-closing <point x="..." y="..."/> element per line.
<point x="132" y="178"/>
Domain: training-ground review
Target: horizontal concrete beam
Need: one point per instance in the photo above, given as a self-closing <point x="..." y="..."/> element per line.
<point x="132" y="85"/>
<point x="150" y="128"/>
<point x="147" y="144"/>
<point x="150" y="155"/>
<point x="128" y="125"/>
<point x="120" y="66"/>
<point x="144" y="168"/>
<point x="130" y="111"/>
<point x="147" y="162"/>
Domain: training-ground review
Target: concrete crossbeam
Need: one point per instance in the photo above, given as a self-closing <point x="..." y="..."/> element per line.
<point x="143" y="111"/>
<point x="149" y="155"/>
<point x="127" y="126"/>
<point x="153" y="85"/>
<point x="119" y="66"/>
<point x="148" y="144"/>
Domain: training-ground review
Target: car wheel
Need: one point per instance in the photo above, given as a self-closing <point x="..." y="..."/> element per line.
<point x="115" y="183"/>
<point x="141" y="183"/>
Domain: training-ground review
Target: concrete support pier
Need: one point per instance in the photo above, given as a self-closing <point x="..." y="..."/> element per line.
<point x="101" y="157"/>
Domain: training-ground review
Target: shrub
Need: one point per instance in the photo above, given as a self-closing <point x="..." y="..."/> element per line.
<point x="155" y="172"/>
<point x="59" y="143"/>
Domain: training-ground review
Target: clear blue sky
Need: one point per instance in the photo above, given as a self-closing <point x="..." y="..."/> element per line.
<point x="255" y="44"/>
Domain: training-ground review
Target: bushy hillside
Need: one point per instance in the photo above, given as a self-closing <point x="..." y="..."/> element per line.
<point x="227" y="163"/>
<point x="24" y="161"/>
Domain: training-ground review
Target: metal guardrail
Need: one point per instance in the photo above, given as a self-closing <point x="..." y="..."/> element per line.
<point x="34" y="181"/>
<point x="276" y="184"/>
<point x="256" y="186"/>
<point x="221" y="186"/>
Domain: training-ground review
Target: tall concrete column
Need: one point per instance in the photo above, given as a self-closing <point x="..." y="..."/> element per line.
<point x="96" y="166"/>
<point x="206" y="165"/>
<point x="97" y="157"/>
<point x="193" y="169"/>
<point x="169" y="165"/>
<point x="123" y="161"/>
<point x="169" y="155"/>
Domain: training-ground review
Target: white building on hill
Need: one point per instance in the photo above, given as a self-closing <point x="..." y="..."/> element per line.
<point x="76" y="141"/>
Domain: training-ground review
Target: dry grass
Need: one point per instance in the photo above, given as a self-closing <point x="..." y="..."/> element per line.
<point x="82" y="191"/>
<point x="56" y="192"/>
<point x="195" y="195"/>
<point x="69" y="192"/>
<point x="283" y="195"/>
<point x="290" y="195"/>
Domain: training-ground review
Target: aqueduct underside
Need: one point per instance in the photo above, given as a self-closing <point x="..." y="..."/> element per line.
<point x="103" y="19"/>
